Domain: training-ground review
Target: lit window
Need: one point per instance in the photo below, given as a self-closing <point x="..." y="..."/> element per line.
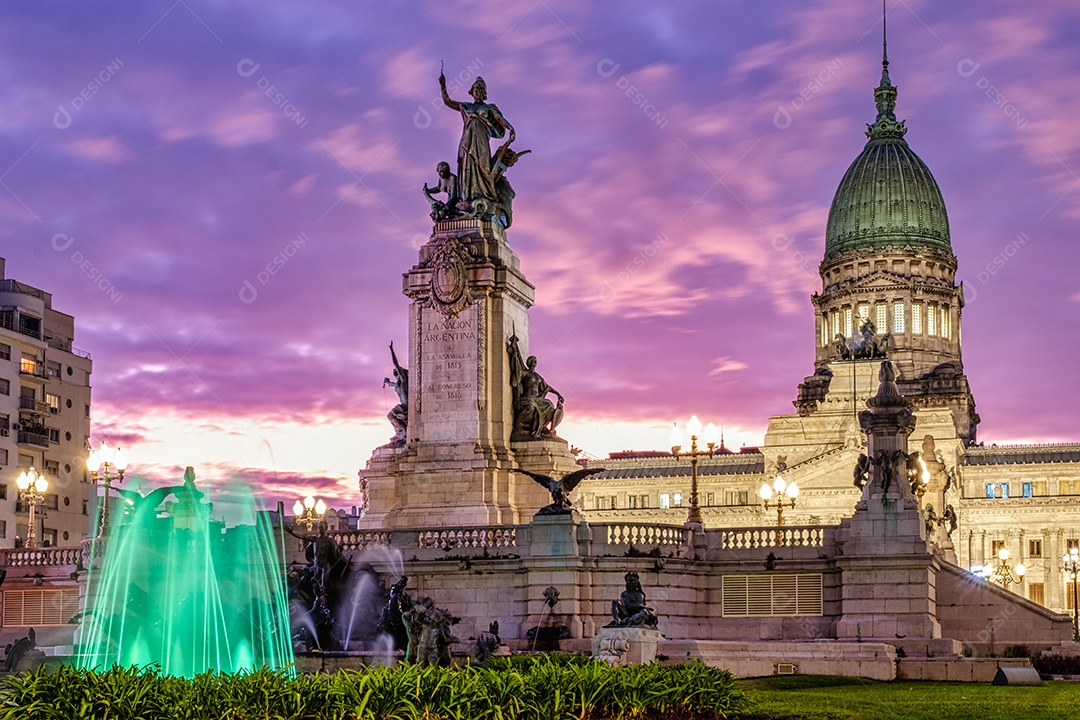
<point x="665" y="500"/>
<point x="882" y="317"/>
<point x="931" y="320"/>
<point x="847" y="322"/>
<point x="1004" y="490"/>
<point x="944" y="321"/>
<point x="835" y="323"/>
<point x="677" y="499"/>
<point x="898" y="317"/>
<point x="53" y="402"/>
<point x="916" y="318"/>
<point x="1026" y="489"/>
<point x="864" y="313"/>
<point x="990" y="490"/>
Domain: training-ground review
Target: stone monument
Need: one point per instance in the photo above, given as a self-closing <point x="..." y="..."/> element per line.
<point x="889" y="589"/>
<point x="472" y="410"/>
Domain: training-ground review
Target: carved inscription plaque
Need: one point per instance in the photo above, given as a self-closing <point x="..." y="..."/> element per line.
<point x="449" y="356"/>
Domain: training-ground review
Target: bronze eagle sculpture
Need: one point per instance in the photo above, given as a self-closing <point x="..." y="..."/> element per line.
<point x="560" y="489"/>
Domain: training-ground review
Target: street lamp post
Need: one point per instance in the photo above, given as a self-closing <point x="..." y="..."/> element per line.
<point x="102" y="463"/>
<point x="33" y="486"/>
<point x="1071" y="565"/>
<point x="785" y="493"/>
<point x="309" y="511"/>
<point x="693" y="515"/>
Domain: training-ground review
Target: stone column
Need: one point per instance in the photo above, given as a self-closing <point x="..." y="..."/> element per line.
<point x="1055" y="584"/>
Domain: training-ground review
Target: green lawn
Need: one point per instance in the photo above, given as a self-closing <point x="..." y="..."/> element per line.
<point x="809" y="697"/>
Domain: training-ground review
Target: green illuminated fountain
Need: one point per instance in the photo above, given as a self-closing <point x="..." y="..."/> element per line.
<point x="187" y="585"/>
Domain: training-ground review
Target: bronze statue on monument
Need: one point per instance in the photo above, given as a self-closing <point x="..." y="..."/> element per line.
<point x="560" y="489"/>
<point x="448" y="183"/>
<point x="481" y="182"/>
<point x="535" y="416"/>
<point x="630" y="609"/>
<point x="399" y="414"/>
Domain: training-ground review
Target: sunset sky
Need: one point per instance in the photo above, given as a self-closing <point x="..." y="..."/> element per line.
<point x="226" y="194"/>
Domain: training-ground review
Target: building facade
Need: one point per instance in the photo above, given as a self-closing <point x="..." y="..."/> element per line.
<point x="888" y="290"/>
<point x="44" y="416"/>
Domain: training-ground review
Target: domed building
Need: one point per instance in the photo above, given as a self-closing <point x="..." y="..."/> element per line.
<point x="889" y="290"/>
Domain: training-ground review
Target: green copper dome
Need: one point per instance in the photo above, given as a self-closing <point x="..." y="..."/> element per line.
<point x="887" y="196"/>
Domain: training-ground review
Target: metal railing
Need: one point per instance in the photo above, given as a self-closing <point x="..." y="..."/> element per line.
<point x="31" y="438"/>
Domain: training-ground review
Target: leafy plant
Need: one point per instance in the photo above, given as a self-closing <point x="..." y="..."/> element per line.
<point x="557" y="686"/>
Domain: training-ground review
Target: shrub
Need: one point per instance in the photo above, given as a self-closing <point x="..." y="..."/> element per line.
<point x="1016" y="651"/>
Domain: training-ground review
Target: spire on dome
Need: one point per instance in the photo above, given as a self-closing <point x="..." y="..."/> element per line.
<point x="886" y="124"/>
<point x="884" y="47"/>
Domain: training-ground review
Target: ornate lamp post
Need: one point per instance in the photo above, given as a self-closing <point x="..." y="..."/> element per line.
<point x="693" y="515"/>
<point x="33" y="487"/>
<point x="1000" y="572"/>
<point x="310" y="512"/>
<point x="102" y="463"/>
<point x="785" y="493"/>
<point x="1071" y="565"/>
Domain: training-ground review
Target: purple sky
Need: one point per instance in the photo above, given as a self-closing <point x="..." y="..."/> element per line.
<point x="671" y="214"/>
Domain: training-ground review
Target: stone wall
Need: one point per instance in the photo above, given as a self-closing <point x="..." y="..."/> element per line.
<point x="987" y="618"/>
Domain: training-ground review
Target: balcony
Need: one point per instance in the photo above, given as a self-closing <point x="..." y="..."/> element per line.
<point x="33" y="438"/>
<point x="33" y="368"/>
<point x="34" y="406"/>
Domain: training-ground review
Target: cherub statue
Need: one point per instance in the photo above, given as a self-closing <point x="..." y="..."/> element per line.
<point x="862" y="470"/>
<point x="448" y="183"/>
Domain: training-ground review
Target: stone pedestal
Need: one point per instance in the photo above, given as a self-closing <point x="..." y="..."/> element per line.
<point x="626" y="646"/>
<point x="30" y="660"/>
<point x="468" y="298"/>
